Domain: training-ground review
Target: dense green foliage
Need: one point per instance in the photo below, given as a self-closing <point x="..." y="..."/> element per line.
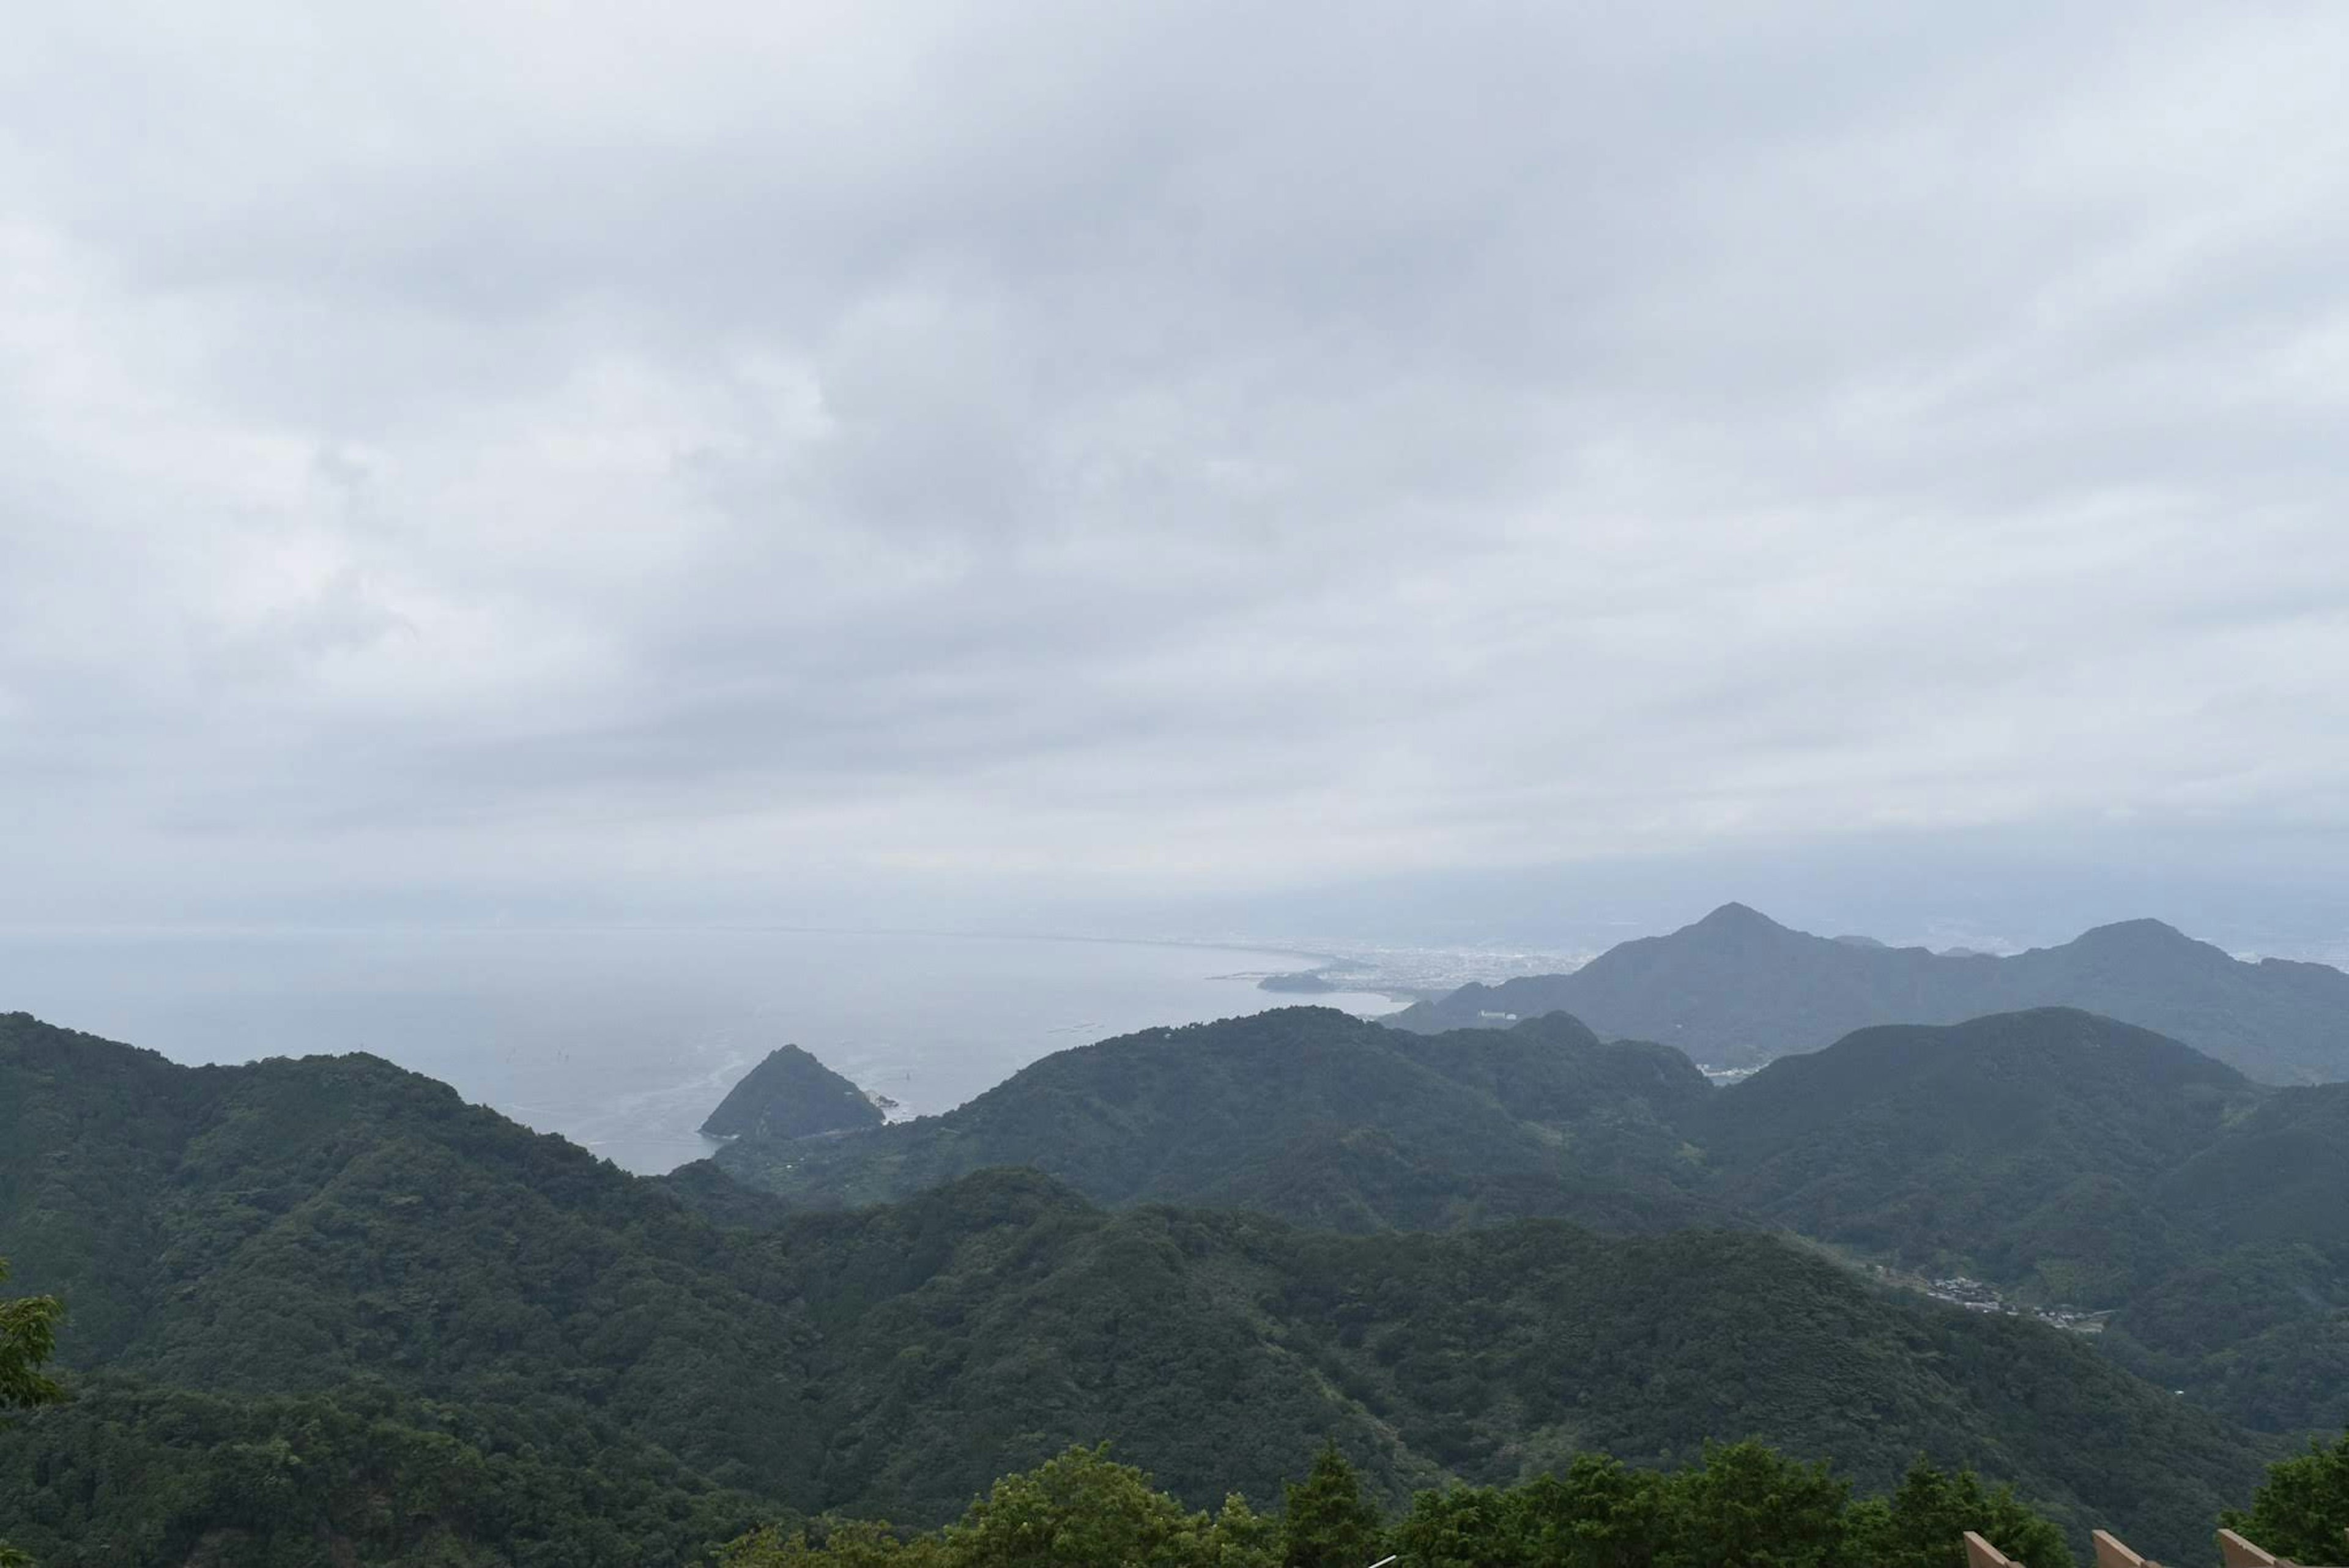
<point x="1311" y="1114"/>
<point x="28" y="1337"/>
<point x="2302" y="1511"/>
<point x="2065" y="1158"/>
<point x="1325" y="1519"/>
<point x="2025" y="1143"/>
<point x="1740" y="1504"/>
<point x="1738" y="987"/>
<point x="129" y="1474"/>
<point x="791" y="1094"/>
<point x="28" y="1327"/>
<point x="2074" y="1159"/>
<point x="291" y="1227"/>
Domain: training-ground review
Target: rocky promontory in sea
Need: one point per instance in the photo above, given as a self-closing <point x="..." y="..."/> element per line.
<point x="792" y="1094"/>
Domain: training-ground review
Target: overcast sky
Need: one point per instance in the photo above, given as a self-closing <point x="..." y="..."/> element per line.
<point x="915" y="461"/>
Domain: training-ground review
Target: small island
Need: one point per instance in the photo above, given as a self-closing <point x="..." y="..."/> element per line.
<point x="792" y="1094"/>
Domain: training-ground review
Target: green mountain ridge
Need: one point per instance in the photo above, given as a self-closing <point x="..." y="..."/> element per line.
<point x="290" y="1229"/>
<point x="1739" y="988"/>
<point x="2064" y="1157"/>
<point x="2080" y="1160"/>
<point x="1311" y="1114"/>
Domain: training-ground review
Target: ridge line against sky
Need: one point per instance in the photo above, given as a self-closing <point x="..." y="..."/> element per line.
<point x="1040" y="462"/>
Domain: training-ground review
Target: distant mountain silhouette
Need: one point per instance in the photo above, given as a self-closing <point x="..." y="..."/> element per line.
<point x="1737" y="987"/>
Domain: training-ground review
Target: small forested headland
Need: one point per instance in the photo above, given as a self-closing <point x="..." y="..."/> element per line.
<point x="1493" y="1297"/>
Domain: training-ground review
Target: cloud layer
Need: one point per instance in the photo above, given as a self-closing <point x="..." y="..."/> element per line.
<point x="622" y="456"/>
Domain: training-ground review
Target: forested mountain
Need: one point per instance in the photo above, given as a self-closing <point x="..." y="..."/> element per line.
<point x="456" y="1297"/>
<point x="2065" y="1158"/>
<point x="2079" y="1161"/>
<point x="1738" y="988"/>
<point x="2027" y="1141"/>
<point x="1311" y="1114"/>
<point x="791" y="1094"/>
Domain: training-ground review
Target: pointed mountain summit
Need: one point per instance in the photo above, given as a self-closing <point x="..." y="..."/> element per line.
<point x="1740" y="929"/>
<point x="792" y="1094"/>
<point x="1735" y="916"/>
<point x="1737" y="987"/>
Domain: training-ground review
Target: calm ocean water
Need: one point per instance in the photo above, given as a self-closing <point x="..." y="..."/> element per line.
<point x="624" y="1041"/>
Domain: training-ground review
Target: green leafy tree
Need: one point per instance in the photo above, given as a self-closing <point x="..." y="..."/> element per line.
<point x="1079" y="1511"/>
<point x="833" y="1543"/>
<point x="1242" y="1538"/>
<point x="1750" y="1505"/>
<point x="28" y="1337"/>
<point x="1328" y="1523"/>
<point x="1080" y="1507"/>
<point x="2301" y="1510"/>
<point x="1923" y="1522"/>
<point x="1920" y="1524"/>
<point x="1746" y="1504"/>
<point x="1464" y="1527"/>
<point x="1599" y="1514"/>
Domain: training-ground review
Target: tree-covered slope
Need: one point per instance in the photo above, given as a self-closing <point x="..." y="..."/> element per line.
<point x="791" y="1094"/>
<point x="2255" y="1318"/>
<point x="2077" y="1160"/>
<point x="1737" y="986"/>
<point x="2021" y="1142"/>
<point x="322" y="1222"/>
<point x="128" y="1475"/>
<point x="2066" y="1157"/>
<point x="1309" y="1114"/>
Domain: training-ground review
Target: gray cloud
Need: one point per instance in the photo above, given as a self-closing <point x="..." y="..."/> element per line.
<point x="717" y="454"/>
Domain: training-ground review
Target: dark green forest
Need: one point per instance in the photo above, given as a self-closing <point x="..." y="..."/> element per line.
<point x="324" y="1301"/>
<point x="1314" y="1115"/>
<point x="2063" y="1157"/>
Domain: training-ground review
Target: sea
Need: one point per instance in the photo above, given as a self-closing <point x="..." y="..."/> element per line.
<point x="624" y="1041"/>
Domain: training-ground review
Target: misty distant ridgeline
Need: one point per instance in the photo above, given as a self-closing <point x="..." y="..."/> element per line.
<point x="1737" y="987"/>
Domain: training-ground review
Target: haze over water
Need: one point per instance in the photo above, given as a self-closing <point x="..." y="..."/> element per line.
<point x="624" y="1040"/>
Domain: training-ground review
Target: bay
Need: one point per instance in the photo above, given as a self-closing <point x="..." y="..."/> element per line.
<point x="624" y="1040"/>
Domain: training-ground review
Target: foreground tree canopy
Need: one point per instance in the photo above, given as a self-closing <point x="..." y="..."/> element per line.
<point x="1744" y="1503"/>
<point x="2302" y="1511"/>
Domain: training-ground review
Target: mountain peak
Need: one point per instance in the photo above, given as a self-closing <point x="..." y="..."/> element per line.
<point x="2146" y="936"/>
<point x="1738" y="922"/>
